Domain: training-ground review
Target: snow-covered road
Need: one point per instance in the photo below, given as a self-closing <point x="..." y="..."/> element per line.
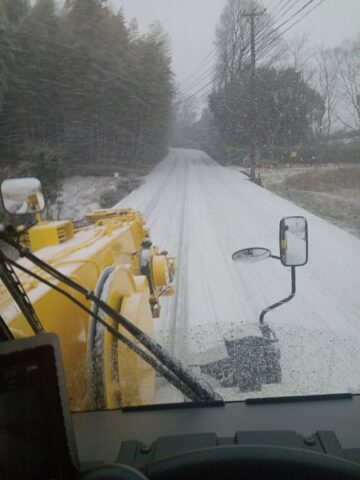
<point x="202" y="213"/>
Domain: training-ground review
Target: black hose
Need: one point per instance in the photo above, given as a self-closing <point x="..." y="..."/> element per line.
<point x="168" y="375"/>
<point x="202" y="389"/>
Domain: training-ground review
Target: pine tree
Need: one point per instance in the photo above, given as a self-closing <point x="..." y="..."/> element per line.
<point x="15" y="10"/>
<point x="85" y="89"/>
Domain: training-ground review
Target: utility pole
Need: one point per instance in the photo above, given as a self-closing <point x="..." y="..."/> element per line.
<point x="253" y="121"/>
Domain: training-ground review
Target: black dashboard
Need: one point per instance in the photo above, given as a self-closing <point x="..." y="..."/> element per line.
<point x="328" y="424"/>
<point x="304" y="437"/>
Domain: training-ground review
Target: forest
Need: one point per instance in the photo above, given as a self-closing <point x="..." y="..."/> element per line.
<point x="81" y="90"/>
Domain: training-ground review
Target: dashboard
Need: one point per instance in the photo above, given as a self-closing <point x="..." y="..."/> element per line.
<point x="312" y="436"/>
<point x="137" y="436"/>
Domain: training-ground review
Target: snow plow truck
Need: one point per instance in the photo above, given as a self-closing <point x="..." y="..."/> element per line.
<point x="97" y="284"/>
<point x="109" y="253"/>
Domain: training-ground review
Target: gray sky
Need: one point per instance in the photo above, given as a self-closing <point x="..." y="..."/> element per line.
<point x="191" y="24"/>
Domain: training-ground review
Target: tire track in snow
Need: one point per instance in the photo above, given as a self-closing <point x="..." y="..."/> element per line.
<point x="348" y="356"/>
<point x="206" y="212"/>
<point x="231" y="193"/>
<point x="177" y="315"/>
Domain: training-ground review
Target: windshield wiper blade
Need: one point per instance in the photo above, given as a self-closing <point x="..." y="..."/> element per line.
<point x="5" y="333"/>
<point x="201" y="390"/>
<point x="16" y="290"/>
<point x="158" y="367"/>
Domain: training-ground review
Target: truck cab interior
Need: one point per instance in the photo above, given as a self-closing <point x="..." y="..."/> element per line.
<point x="303" y="437"/>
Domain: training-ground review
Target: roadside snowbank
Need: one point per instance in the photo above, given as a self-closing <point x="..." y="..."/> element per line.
<point x="80" y="194"/>
<point x="338" y="205"/>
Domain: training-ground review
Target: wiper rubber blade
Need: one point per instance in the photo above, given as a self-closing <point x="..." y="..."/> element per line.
<point x="196" y="389"/>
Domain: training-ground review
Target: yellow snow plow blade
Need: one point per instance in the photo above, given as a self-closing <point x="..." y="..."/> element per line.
<point x="111" y="254"/>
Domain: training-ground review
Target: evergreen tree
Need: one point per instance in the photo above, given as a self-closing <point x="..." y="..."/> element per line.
<point x="14" y="10"/>
<point x="80" y="87"/>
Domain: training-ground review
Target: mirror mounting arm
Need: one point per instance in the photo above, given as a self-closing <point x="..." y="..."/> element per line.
<point x="281" y="302"/>
<point x="275" y="256"/>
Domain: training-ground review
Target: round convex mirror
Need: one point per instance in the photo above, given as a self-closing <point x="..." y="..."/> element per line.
<point x="251" y="255"/>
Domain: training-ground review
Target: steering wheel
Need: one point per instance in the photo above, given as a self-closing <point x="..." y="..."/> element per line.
<point x="252" y="462"/>
<point x="113" y="472"/>
<point x="233" y="462"/>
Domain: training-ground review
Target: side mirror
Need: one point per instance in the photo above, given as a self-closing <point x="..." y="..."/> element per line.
<point x="22" y="196"/>
<point x="294" y="249"/>
<point x="251" y="255"/>
<point x="294" y="252"/>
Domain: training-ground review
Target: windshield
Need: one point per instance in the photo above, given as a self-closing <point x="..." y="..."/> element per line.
<point x="168" y="140"/>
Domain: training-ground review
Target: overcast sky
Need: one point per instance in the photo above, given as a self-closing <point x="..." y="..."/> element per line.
<point x="191" y="24"/>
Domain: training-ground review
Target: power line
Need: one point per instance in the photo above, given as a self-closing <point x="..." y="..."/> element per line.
<point x="267" y="47"/>
<point x="206" y="75"/>
<point x="197" y="81"/>
<point x="295" y="23"/>
<point x="260" y="39"/>
<point x="213" y="52"/>
<point x="291" y="4"/>
<point x="309" y="2"/>
<point x="211" y="56"/>
<point x="284" y="9"/>
<point x="204" y="62"/>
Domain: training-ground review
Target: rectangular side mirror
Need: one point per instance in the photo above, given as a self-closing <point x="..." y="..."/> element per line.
<point x="293" y="235"/>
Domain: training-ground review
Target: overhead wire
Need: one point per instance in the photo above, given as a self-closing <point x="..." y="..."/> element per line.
<point x="197" y="79"/>
<point x="264" y="35"/>
<point x="291" y="4"/>
<point x="266" y="48"/>
<point x="194" y="82"/>
<point x="309" y="2"/>
<point x="296" y="22"/>
<point x="270" y="23"/>
<point x="245" y="51"/>
<point x="284" y="3"/>
<point x="191" y="79"/>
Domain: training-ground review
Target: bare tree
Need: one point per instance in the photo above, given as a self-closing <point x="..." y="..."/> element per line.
<point x="327" y="77"/>
<point x="300" y="55"/>
<point x="348" y="59"/>
<point x="233" y="40"/>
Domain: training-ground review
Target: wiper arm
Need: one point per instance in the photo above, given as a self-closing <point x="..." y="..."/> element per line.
<point x="171" y="368"/>
<point x="13" y="284"/>
<point x="5" y="333"/>
<point x="142" y="353"/>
